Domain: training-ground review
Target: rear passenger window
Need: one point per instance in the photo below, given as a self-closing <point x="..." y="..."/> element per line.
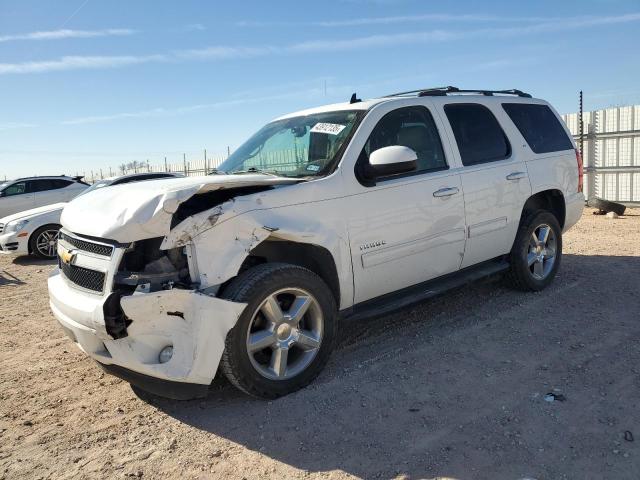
<point x="411" y="127"/>
<point x="478" y="134"/>
<point x="38" y="185"/>
<point x="539" y="126"/>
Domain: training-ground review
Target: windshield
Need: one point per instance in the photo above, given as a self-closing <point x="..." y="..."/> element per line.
<point x="294" y="147"/>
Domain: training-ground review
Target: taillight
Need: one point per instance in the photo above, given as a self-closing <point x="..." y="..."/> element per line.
<point x="580" y="170"/>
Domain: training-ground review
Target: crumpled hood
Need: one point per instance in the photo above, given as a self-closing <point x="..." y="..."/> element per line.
<point x="25" y="215"/>
<point x="140" y="210"/>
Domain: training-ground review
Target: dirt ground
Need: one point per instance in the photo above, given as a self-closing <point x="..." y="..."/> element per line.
<point x="454" y="387"/>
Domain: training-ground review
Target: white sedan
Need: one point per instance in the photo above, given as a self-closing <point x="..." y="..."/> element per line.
<point x="35" y="231"/>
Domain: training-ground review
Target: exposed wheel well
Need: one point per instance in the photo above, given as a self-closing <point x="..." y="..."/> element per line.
<point x="313" y="257"/>
<point x="549" y="200"/>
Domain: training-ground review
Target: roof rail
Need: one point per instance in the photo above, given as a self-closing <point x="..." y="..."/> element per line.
<point x="442" y="91"/>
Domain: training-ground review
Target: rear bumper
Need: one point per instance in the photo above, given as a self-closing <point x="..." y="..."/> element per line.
<point x="193" y="323"/>
<point x="574" y="205"/>
<point x="11" y="244"/>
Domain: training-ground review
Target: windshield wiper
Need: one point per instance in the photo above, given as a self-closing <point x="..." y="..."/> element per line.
<point x="256" y="170"/>
<point x="215" y="171"/>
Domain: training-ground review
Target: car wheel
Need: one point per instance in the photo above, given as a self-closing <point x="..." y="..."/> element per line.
<point x="44" y="241"/>
<point x="536" y="253"/>
<point x="284" y="336"/>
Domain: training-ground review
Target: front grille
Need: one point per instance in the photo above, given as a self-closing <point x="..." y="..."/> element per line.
<point x="85" y="246"/>
<point x="83" y="277"/>
<point x="1" y="227"/>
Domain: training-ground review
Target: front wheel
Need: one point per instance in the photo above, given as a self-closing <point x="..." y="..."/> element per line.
<point x="284" y="337"/>
<point x="44" y="241"/>
<point x="536" y="253"/>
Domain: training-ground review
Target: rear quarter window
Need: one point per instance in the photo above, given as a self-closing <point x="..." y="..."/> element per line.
<point x="539" y="126"/>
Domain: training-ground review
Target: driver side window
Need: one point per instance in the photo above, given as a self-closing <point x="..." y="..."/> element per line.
<point x="15" y="189"/>
<point x="411" y="127"/>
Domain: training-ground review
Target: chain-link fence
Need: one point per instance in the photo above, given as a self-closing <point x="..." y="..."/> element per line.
<point x="282" y="161"/>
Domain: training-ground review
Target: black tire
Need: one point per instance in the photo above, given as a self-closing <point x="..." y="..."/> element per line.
<point x="35" y="250"/>
<point x="253" y="287"/>
<point x="607" y="206"/>
<point x="520" y="274"/>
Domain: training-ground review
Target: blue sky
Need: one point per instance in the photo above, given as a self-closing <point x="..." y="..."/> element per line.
<point x="88" y="84"/>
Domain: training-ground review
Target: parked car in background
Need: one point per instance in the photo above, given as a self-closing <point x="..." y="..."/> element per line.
<point x="386" y="202"/>
<point x="35" y="231"/>
<point x="31" y="192"/>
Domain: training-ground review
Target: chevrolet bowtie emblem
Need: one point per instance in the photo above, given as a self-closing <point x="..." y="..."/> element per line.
<point x="66" y="256"/>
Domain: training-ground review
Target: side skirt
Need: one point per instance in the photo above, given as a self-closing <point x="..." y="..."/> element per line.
<point x="417" y="293"/>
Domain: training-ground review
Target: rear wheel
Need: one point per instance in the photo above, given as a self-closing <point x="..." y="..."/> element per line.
<point x="284" y="337"/>
<point x="43" y="242"/>
<point x="536" y="253"/>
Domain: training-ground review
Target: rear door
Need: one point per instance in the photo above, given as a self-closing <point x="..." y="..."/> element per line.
<point x="494" y="178"/>
<point x="409" y="228"/>
<point x="43" y="188"/>
<point x="16" y="198"/>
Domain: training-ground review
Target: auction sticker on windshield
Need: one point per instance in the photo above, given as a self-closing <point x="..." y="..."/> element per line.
<point x="330" y="128"/>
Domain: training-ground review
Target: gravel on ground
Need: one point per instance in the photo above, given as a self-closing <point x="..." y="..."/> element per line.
<point x="459" y="386"/>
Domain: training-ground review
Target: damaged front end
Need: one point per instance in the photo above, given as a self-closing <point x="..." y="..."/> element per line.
<point x="135" y="308"/>
<point x="146" y="301"/>
<point x="144" y="268"/>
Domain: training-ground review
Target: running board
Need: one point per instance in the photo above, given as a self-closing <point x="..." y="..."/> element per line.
<point x="417" y="293"/>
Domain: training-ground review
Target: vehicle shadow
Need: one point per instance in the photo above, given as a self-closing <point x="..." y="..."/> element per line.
<point x="27" y="260"/>
<point x="452" y="387"/>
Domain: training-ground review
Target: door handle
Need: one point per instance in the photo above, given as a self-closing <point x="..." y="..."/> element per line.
<point x="446" y="192"/>
<point x="516" y="176"/>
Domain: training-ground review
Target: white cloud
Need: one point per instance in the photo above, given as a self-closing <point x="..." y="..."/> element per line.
<point x="65" y="33"/>
<point x="221" y="52"/>
<point x="194" y="27"/>
<point x="158" y="112"/>
<point x="14" y="125"/>
<point x="78" y="63"/>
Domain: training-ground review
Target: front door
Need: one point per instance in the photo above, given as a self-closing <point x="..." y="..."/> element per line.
<point x="409" y="228"/>
<point x="16" y="198"/>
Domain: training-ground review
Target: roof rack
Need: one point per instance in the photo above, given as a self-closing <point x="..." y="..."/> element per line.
<point x="442" y="91"/>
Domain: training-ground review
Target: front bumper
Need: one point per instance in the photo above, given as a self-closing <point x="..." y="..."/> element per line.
<point x="193" y="323"/>
<point x="11" y="244"/>
<point x="157" y="386"/>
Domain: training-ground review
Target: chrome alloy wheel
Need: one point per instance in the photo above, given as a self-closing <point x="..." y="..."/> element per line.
<point x="541" y="255"/>
<point x="285" y="334"/>
<point x="46" y="243"/>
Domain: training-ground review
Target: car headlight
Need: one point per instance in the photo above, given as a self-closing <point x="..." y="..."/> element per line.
<point x="15" y="226"/>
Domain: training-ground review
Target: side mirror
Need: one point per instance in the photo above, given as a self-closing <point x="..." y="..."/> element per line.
<point x="393" y="160"/>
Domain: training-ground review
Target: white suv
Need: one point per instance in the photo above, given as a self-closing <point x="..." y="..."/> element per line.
<point x="344" y="210"/>
<point x="27" y="193"/>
